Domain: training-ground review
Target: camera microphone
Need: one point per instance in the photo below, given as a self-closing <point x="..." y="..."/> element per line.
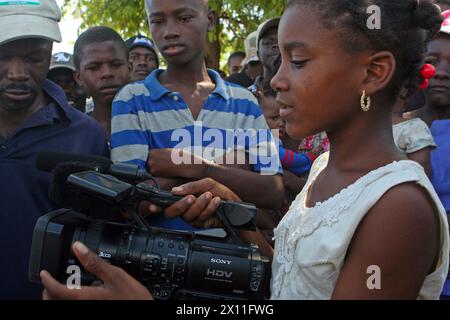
<point x="67" y="196"/>
<point x="47" y="160"/>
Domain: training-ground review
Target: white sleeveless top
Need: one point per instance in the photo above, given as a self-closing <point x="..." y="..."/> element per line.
<point x="311" y="243"/>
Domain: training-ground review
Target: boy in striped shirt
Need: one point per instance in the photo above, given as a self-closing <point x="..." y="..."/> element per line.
<point x="190" y="108"/>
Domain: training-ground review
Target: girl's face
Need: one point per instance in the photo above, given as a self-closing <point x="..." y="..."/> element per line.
<point x="271" y="110"/>
<point x="318" y="83"/>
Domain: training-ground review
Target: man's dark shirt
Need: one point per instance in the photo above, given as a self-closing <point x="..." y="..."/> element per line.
<point x="24" y="189"/>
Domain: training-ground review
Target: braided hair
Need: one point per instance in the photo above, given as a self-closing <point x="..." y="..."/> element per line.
<point x="406" y="27"/>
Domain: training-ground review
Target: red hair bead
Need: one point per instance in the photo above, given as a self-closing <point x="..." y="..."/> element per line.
<point x="427" y="71"/>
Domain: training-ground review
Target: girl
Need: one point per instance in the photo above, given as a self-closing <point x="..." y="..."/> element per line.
<point x="366" y="211"/>
<point x="365" y="206"/>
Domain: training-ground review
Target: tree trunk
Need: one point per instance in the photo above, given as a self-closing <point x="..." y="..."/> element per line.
<point x="213" y="46"/>
<point x="213" y="54"/>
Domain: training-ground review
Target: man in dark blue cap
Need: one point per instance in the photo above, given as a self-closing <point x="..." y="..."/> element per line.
<point x="142" y="56"/>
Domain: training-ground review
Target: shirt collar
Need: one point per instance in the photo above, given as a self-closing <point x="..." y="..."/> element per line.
<point x="157" y="90"/>
<point x="61" y="111"/>
<point x="221" y="88"/>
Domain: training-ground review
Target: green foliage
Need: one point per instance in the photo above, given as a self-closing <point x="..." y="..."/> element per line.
<point x="126" y="16"/>
<point x="236" y="18"/>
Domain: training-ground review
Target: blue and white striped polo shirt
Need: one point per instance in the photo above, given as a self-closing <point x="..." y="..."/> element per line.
<point x="148" y="116"/>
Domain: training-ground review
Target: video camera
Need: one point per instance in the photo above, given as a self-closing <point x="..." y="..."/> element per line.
<point x="206" y="264"/>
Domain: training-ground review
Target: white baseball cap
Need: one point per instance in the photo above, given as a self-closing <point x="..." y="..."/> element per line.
<point x="251" y="49"/>
<point x="265" y="26"/>
<point x="21" y="19"/>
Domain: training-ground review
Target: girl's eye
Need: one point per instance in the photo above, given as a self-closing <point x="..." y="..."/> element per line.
<point x="299" y="63"/>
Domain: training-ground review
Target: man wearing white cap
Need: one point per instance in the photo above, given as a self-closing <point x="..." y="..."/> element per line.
<point x="252" y="67"/>
<point x="34" y="115"/>
<point x="267" y="50"/>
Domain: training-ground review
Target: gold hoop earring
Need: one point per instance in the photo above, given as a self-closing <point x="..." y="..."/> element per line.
<point x="365" y="101"/>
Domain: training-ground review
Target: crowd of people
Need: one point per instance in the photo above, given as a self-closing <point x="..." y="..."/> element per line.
<point x="349" y="168"/>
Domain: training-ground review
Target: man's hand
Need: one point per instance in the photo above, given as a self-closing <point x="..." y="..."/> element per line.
<point x="168" y="163"/>
<point x="199" y="187"/>
<point x="117" y="284"/>
<point x="202" y="198"/>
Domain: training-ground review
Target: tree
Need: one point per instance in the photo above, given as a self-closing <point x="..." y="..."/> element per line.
<point x="235" y="19"/>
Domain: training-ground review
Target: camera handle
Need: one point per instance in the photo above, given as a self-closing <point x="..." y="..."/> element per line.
<point x="165" y="199"/>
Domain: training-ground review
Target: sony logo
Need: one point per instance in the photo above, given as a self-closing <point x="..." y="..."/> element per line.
<point x="220" y="261"/>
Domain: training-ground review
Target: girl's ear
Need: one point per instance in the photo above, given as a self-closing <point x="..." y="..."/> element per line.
<point x="380" y="70"/>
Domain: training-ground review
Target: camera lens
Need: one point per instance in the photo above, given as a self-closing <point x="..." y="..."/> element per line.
<point x="171" y="264"/>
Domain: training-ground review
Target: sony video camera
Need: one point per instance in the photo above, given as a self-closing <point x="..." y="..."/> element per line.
<point x="206" y="264"/>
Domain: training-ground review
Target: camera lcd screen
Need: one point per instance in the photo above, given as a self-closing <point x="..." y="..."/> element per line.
<point x="102" y="180"/>
<point x="99" y="184"/>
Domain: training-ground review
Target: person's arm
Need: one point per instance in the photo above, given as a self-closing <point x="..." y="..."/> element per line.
<point x="399" y="238"/>
<point x="295" y="161"/>
<point x="169" y="183"/>
<point x="423" y="158"/>
<point x="265" y="191"/>
<point x="292" y="182"/>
